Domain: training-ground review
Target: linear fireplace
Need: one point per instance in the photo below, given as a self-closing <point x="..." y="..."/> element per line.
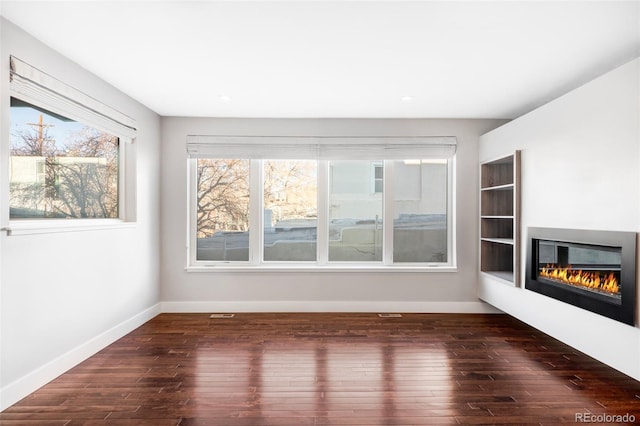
<point x="594" y="270"/>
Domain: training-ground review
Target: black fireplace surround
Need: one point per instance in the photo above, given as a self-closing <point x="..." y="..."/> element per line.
<point x="601" y="253"/>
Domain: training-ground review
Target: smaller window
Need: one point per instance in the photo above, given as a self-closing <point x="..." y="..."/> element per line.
<point x="60" y="168"/>
<point x="66" y="157"/>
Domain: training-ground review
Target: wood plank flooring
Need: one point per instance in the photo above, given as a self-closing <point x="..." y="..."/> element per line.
<point x="331" y="369"/>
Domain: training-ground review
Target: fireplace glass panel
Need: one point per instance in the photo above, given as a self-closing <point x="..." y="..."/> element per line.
<point x="584" y="267"/>
<point x="556" y="256"/>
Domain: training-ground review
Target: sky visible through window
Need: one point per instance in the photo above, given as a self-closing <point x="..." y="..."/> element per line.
<point x="58" y="129"/>
<point x="60" y="168"/>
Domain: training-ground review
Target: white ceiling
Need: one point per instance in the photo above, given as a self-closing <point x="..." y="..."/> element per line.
<point x="471" y="59"/>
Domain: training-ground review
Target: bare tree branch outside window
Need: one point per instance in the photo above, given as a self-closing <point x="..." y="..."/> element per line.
<point x="61" y="168"/>
<point x="223" y="196"/>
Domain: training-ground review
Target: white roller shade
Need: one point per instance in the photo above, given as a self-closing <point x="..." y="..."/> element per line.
<point x="251" y="147"/>
<point x="38" y="88"/>
<point x="321" y="147"/>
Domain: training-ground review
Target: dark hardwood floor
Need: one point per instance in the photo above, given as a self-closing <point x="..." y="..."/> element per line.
<point x="325" y="369"/>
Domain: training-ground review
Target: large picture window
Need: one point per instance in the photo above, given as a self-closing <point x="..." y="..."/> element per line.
<point x="250" y="208"/>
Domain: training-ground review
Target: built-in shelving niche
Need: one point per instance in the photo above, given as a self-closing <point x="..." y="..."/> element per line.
<point x="500" y="218"/>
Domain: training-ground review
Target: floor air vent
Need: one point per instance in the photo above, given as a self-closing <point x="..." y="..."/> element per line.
<point x="390" y="315"/>
<point x="222" y="315"/>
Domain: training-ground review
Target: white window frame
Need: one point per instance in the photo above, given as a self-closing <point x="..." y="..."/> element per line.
<point x="256" y="223"/>
<point x="37" y="88"/>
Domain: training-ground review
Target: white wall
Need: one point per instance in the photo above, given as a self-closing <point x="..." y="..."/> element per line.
<point x="310" y="291"/>
<point x="65" y="295"/>
<point x="580" y="169"/>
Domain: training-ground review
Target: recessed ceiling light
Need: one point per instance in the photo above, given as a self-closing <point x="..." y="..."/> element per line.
<point x="406" y="98"/>
<point x="224" y="98"/>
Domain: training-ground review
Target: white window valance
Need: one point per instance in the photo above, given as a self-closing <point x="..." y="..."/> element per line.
<point x="38" y="88"/>
<point x="321" y="147"/>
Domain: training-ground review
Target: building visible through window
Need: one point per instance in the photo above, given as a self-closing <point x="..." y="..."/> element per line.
<point x="290" y="210"/>
<point x="261" y="211"/>
<point x="60" y="168"/>
<point x="355" y="212"/>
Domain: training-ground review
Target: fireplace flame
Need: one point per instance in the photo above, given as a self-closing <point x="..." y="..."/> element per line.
<point x="579" y="278"/>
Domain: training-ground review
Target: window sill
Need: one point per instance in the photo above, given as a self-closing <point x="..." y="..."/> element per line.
<point x="318" y="269"/>
<point x="34" y="227"/>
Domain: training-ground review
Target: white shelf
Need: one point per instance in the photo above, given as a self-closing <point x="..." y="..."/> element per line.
<point x="508" y="241"/>
<point x="505" y="187"/>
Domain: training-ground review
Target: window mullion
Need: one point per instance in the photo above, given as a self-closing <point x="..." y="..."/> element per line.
<point x="322" y="231"/>
<point x="256" y="212"/>
<point x="192" y="211"/>
<point x="122" y="190"/>
<point x="451" y="212"/>
<point x="387" y="215"/>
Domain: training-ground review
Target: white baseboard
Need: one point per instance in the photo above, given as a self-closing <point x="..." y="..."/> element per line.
<point x="15" y="391"/>
<point x="328" y="306"/>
